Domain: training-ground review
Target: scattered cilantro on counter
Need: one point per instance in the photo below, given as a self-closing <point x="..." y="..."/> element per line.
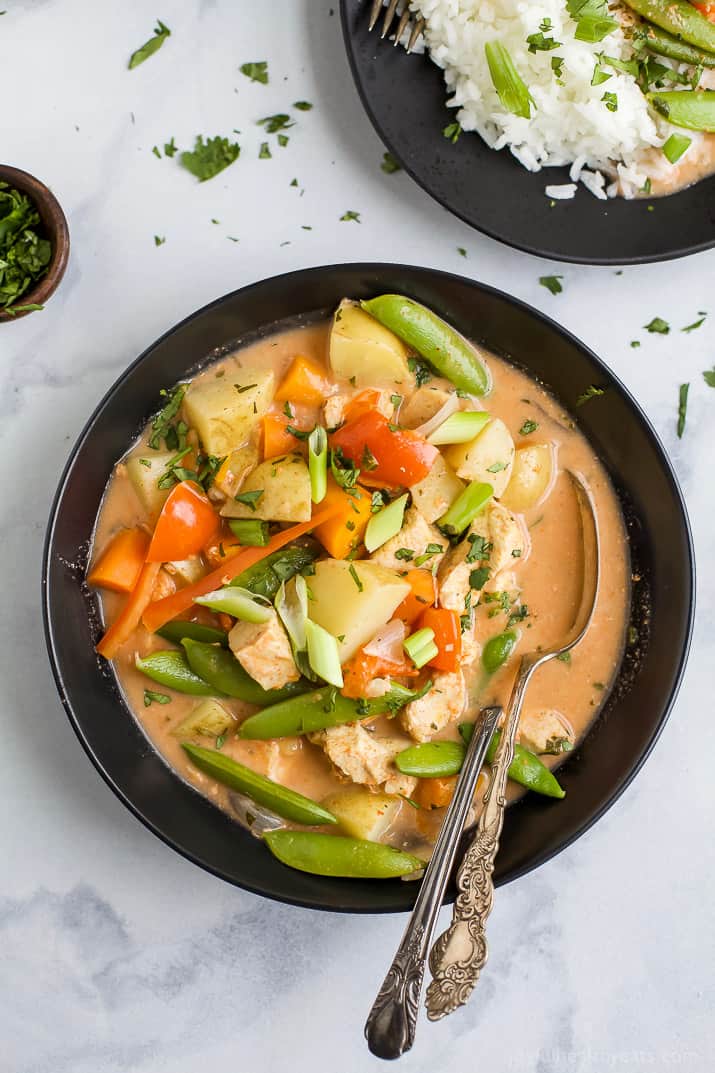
<point x="389" y="164"/>
<point x="256" y="71"/>
<point x="682" y="408"/>
<point x="552" y="283"/>
<point x="351" y="215"/>
<point x="161" y="32"/>
<point x="658" y="326"/>
<point x="210" y="157"/>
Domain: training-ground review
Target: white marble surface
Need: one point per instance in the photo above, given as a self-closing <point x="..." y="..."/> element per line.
<point x="118" y="955"/>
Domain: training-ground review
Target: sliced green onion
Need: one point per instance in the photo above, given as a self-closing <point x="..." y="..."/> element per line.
<point x="238" y="602"/>
<point x="676" y="146"/>
<point x="385" y="524"/>
<point x="250" y="532"/>
<point x="323" y="654"/>
<point x="460" y="427"/>
<point x="511" y="89"/>
<point x="465" y="508"/>
<point x="292" y="606"/>
<point x="691" y="108"/>
<point x="318" y="463"/>
<point x="420" y="647"/>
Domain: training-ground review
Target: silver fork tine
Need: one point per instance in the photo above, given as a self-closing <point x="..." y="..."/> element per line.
<point x="404" y="19"/>
<point x="374" y="14"/>
<point x="416" y="31"/>
<point x="389" y="16"/>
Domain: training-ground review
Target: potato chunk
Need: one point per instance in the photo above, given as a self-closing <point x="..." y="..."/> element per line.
<point x="362" y="814"/>
<point x="425" y="402"/>
<point x="361" y="347"/>
<point x="435" y="493"/>
<point x="144" y="469"/>
<point x="488" y="457"/>
<point x="353" y="600"/>
<point x="531" y="478"/>
<point x="225" y="409"/>
<point x="284" y="484"/>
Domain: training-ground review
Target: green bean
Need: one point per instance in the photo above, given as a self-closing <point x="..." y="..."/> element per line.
<point x="497" y="650"/>
<point x="170" y="668"/>
<point x="664" y="44"/>
<point x="222" y="670"/>
<point x="336" y="855"/>
<point x="286" y="803"/>
<point x="432" y="760"/>
<point x="680" y="18"/>
<point x="177" y="630"/>
<point x="691" y="108"/>
<point x="264" y="578"/>
<point x="441" y="344"/>
<point x="525" y="768"/>
<point x="320" y="709"/>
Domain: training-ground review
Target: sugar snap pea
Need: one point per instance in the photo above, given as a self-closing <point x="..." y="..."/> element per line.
<point x="525" y="768"/>
<point x="680" y="18"/>
<point x="336" y="855"/>
<point x="432" y="759"/>
<point x="264" y="578"/>
<point x="436" y="340"/>
<point x="691" y="108"/>
<point x="322" y="708"/>
<point x="286" y="803"/>
<point x="171" y="668"/>
<point x="222" y="670"/>
<point x="664" y="44"/>
<point x="497" y="650"/>
<point x="177" y="630"/>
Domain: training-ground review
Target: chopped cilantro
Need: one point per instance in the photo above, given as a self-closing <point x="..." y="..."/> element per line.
<point x="210" y="157"/>
<point x="430" y="551"/>
<point x="151" y="697"/>
<point x="356" y="579"/>
<point x="302" y="106"/>
<point x="696" y="324"/>
<point x="461" y="250"/>
<point x="611" y="101"/>
<point x="635" y="343"/>
<point x="159" y="240"/>
<point x="479" y="577"/>
<point x="351" y="215"/>
<point x="479" y="550"/>
<point x="564" y="657"/>
<point x="283" y="140"/>
<point x="249" y="499"/>
<point x="170" y="148"/>
<point x="552" y="283"/>
<point x="528" y="427"/>
<point x="658" y="326"/>
<point x="406" y="554"/>
<point x="389" y="164"/>
<point x="161" y="32"/>
<point x="264" y="153"/>
<point x="452" y="131"/>
<point x="682" y="408"/>
<point x="256" y="71"/>
<point x="273" y="123"/>
<point x="497" y="467"/>
<point x="709" y="377"/>
<point x="591" y="392"/>
<point x="421" y="369"/>
<point x="557" y="66"/>
<point x="540" y="43"/>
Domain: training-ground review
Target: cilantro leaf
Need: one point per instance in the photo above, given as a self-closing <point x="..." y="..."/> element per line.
<point x="709" y="377"/>
<point x="528" y="427"/>
<point x="696" y="324"/>
<point x="592" y="18"/>
<point x="161" y="32"/>
<point x="682" y="408"/>
<point x="302" y="106"/>
<point x="351" y="215"/>
<point x="552" y="283"/>
<point x="256" y="71"/>
<point x="208" y="158"/>
<point x="389" y="164"/>
<point x="273" y="123"/>
<point x="591" y="392"/>
<point x="657" y="325"/>
<point x="249" y="499"/>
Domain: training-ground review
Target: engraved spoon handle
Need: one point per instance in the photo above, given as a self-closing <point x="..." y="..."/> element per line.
<point x="460" y="952"/>
<point x="391" y="1023"/>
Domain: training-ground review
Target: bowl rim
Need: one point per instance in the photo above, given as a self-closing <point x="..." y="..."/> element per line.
<point x="285" y="278"/>
<point x="54" y="221"/>
<point x="483" y="227"/>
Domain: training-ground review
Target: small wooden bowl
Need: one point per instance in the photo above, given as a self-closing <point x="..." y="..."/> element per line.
<point x="54" y="226"/>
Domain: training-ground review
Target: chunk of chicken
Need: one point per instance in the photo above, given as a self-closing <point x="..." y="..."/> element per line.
<point x="498" y="529"/>
<point x="164" y="585"/>
<point x="264" y="652"/>
<point x="445" y="702"/>
<point x="335" y="405"/>
<point x="416" y="534"/>
<point x="366" y="759"/>
<point x="545" y="730"/>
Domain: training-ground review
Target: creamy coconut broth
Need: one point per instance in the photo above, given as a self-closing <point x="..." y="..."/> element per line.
<point x="533" y="596"/>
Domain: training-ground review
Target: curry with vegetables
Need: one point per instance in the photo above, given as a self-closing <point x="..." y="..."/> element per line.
<point x="326" y="552"/>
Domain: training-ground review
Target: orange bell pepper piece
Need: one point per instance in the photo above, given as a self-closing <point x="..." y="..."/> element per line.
<point x="160" y="612"/>
<point x="352" y="511"/>
<point x="363" y="669"/>
<point x="447" y="637"/>
<point x="130" y="616"/>
<point x="361" y="404"/>
<point x="423" y="594"/>
<point x="708" y="10"/>
<point x="120" y="564"/>
<point x="277" y="440"/>
<point x="305" y="382"/>
<point x="186" y="523"/>
<point x="222" y="545"/>
<point x="435" y="793"/>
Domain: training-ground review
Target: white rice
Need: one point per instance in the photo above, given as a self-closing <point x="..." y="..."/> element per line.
<point x="570" y="123"/>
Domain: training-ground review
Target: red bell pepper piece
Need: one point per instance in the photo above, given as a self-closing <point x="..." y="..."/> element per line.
<point x="447" y="637"/>
<point x="384" y="451"/>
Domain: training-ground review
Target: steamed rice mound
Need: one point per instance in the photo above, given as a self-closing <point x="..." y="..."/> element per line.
<point x="570" y="123"/>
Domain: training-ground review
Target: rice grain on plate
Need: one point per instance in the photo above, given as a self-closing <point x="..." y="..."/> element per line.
<point x="571" y="123"/>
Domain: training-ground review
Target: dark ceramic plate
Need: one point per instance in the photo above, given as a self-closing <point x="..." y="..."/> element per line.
<point x="405" y="96"/>
<point x="536" y="828"/>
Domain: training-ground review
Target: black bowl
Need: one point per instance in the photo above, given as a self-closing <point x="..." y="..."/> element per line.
<point x="535" y="829"/>
<point x="405" y="98"/>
